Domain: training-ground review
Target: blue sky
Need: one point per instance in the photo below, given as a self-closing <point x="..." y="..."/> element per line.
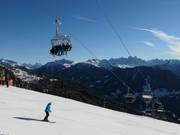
<point x="149" y="28"/>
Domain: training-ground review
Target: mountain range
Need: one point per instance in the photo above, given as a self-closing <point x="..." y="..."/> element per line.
<point x="130" y="62"/>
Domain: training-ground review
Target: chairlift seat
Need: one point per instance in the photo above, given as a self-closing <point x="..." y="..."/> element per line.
<point x="130" y="98"/>
<point x="60" y="45"/>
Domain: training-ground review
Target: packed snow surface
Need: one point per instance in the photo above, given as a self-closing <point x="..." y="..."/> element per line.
<point x="21" y="110"/>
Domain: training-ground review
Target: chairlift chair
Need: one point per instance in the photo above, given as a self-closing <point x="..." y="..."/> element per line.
<point x="130" y="97"/>
<point x="61" y="44"/>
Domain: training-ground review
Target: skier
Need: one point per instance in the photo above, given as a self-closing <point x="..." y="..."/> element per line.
<point x="47" y="111"/>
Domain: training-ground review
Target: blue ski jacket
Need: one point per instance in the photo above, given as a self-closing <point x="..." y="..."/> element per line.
<point x="48" y="107"/>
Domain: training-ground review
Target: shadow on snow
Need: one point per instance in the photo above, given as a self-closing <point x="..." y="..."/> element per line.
<point x="27" y="119"/>
<point x="32" y="119"/>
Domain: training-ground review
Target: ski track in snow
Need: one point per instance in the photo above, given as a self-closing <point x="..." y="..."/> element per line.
<point x="21" y="109"/>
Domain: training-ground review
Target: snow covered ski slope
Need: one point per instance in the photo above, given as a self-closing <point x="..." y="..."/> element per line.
<point x="21" y="111"/>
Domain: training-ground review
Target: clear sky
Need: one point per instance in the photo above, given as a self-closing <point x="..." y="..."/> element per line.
<point x="149" y="28"/>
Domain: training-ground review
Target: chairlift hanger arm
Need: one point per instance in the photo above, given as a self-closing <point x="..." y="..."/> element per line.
<point x="58" y="24"/>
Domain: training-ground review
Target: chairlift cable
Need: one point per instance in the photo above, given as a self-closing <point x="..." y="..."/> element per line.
<point x="106" y="16"/>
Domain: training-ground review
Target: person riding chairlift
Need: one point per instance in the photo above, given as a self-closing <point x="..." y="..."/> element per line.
<point x="56" y="50"/>
<point x="68" y="47"/>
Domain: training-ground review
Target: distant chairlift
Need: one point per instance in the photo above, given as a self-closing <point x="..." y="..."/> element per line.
<point x="147" y="93"/>
<point x="130" y="97"/>
<point x="158" y="110"/>
<point x="154" y="107"/>
<point x="61" y="44"/>
<point x="147" y="96"/>
<point x="158" y="106"/>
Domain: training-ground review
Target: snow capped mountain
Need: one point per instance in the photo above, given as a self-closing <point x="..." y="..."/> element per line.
<point x="32" y="66"/>
<point x="60" y="63"/>
<point x="121" y="63"/>
<point x="64" y="61"/>
<point x="22" y="111"/>
<point x="100" y="63"/>
<point x="94" y="62"/>
<point x="129" y="62"/>
<point x="11" y="63"/>
<point x="8" y="63"/>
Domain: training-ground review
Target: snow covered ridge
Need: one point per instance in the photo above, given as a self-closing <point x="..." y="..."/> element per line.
<point x="91" y="62"/>
<point x="32" y="66"/>
<point x="94" y="62"/>
<point x="6" y="62"/>
<point x="11" y="63"/>
<point x="121" y="62"/>
<point x="129" y="62"/>
<point x="24" y="76"/>
<point x="72" y="117"/>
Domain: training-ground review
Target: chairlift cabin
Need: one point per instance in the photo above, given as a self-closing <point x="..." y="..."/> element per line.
<point x="61" y="44"/>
